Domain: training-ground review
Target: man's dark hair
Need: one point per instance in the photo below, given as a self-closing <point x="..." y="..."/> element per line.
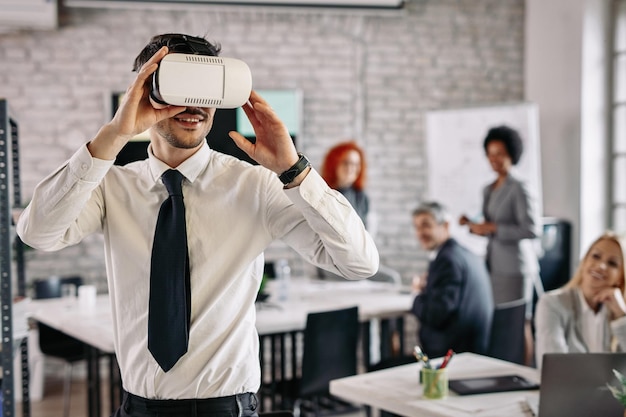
<point x="510" y="138"/>
<point x="178" y="43"/>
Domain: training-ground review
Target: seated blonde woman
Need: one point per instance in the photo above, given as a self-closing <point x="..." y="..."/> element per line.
<point x="588" y="314"/>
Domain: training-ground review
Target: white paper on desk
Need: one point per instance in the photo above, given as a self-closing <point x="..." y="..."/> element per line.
<point x="395" y="386"/>
<point x="487" y="405"/>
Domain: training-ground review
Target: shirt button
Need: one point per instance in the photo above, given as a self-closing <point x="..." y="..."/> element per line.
<point x="84" y="167"/>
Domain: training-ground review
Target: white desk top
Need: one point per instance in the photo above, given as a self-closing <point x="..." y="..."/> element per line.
<point x="374" y="299"/>
<point x="94" y="325"/>
<point x="398" y="390"/>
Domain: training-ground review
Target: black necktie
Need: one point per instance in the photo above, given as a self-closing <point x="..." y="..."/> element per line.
<point x="169" y="310"/>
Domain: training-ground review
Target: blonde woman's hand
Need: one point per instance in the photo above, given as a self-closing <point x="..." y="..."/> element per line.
<point x="613" y="299"/>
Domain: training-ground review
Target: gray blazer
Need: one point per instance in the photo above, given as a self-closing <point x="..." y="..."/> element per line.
<point x="512" y="250"/>
<point x="558" y="327"/>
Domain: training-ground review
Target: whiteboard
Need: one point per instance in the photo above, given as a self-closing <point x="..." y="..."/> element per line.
<point x="458" y="169"/>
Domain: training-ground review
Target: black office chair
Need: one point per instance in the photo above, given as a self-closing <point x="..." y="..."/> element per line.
<point x="507" y="331"/>
<point x="329" y="352"/>
<point x="51" y="287"/>
<point x="55" y="343"/>
<point x="554" y="263"/>
<point x="557" y="254"/>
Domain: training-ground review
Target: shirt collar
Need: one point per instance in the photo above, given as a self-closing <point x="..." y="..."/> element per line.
<point x="190" y="168"/>
<point x="432" y="255"/>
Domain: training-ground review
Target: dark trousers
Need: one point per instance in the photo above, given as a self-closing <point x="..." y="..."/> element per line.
<point x="240" y="405"/>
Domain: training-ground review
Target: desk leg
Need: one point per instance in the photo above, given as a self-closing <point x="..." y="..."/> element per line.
<point x="392" y="338"/>
<point x="284" y="393"/>
<point x="273" y="371"/>
<point x="400" y="327"/>
<point x="294" y="355"/>
<point x="390" y="342"/>
<point x="386" y="343"/>
<point x="283" y="357"/>
<point x="365" y="340"/>
<point x="93" y="382"/>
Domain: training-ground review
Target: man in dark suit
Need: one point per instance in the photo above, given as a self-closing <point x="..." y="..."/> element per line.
<point x="454" y="302"/>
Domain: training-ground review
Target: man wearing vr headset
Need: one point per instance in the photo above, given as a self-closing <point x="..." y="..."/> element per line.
<point x="233" y="211"/>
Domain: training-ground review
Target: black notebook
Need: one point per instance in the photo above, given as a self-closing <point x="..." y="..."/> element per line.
<point x="487" y="384"/>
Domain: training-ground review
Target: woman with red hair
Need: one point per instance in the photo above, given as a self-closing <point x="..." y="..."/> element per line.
<point x="344" y="170"/>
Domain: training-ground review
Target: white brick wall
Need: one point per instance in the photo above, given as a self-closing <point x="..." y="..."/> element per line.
<point x="367" y="76"/>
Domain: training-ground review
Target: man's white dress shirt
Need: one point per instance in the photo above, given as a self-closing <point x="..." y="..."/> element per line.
<point x="233" y="212"/>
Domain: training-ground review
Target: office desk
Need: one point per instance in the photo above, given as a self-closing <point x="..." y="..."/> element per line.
<point x="94" y="324"/>
<point x="276" y="321"/>
<point x="281" y="324"/>
<point x="398" y="390"/>
<point x="374" y="299"/>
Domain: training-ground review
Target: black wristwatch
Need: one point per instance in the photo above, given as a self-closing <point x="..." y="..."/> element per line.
<point x="297" y="168"/>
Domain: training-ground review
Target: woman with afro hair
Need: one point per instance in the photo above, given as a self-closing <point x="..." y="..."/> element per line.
<point x="511" y="225"/>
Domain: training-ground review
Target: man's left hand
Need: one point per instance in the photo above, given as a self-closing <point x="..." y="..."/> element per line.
<point x="274" y="148"/>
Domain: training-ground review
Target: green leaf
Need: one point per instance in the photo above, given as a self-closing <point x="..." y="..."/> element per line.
<point x="620" y="377"/>
<point x="619" y="393"/>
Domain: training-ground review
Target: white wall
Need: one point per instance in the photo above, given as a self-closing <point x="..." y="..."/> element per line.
<point x="595" y="112"/>
<point x="565" y="74"/>
<point x="368" y="76"/>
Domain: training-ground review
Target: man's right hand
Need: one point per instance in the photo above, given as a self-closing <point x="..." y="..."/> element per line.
<point x="418" y="283"/>
<point x="135" y="114"/>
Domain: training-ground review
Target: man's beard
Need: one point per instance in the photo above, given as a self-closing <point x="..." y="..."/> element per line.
<point x="173" y="140"/>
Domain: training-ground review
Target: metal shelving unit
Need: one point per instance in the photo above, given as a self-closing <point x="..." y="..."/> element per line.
<point x="11" y="262"/>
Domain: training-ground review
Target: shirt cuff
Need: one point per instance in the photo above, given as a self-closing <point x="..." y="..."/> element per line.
<point x="310" y="191"/>
<point x="87" y="168"/>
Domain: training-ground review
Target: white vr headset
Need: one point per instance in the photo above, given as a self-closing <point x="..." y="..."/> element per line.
<point x="200" y="81"/>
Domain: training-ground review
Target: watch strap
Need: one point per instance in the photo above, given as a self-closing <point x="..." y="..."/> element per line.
<point x="297" y="168"/>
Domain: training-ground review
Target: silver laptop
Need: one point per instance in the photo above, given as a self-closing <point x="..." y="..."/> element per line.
<point x="575" y="384"/>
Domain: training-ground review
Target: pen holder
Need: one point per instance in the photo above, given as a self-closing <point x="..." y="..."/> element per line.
<point x="434" y="383"/>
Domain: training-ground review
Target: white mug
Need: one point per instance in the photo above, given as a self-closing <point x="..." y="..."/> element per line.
<point x="87" y="295"/>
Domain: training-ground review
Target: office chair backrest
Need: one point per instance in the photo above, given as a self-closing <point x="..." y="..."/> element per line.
<point x="507" y="331"/>
<point x="330" y="349"/>
<point x="555" y="261"/>
<point x="52" y="342"/>
<point x="51" y="287"/>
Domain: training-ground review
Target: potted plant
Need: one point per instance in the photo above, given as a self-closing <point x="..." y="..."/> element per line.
<point x="619" y="392"/>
